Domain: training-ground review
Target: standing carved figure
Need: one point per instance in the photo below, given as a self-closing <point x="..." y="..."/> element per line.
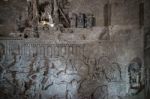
<point x="135" y="76"/>
<point x="33" y="16"/>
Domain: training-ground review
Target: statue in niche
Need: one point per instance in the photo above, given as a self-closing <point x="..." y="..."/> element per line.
<point x="48" y="11"/>
<point x="135" y="76"/>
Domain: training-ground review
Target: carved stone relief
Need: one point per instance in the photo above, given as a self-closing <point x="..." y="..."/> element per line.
<point x="135" y="76"/>
<point x="35" y="69"/>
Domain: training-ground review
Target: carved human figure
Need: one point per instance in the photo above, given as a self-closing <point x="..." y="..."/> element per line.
<point x="50" y="14"/>
<point x="72" y="89"/>
<point x="135" y="76"/>
<point x="33" y="16"/>
<point x="100" y="92"/>
<point x="114" y="72"/>
<point x="36" y="79"/>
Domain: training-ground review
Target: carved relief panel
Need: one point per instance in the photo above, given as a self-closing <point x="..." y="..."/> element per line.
<point x="43" y="69"/>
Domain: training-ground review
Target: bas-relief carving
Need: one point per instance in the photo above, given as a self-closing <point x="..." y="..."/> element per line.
<point x="135" y="76"/>
<point x="61" y="72"/>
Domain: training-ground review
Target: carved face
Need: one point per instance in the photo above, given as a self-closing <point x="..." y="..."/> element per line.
<point x="135" y="73"/>
<point x="134" y="70"/>
<point x="2" y="49"/>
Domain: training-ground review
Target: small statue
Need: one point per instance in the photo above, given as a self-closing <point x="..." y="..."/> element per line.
<point x="81" y="20"/>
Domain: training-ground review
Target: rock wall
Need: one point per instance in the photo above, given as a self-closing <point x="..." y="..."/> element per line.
<point x="103" y="62"/>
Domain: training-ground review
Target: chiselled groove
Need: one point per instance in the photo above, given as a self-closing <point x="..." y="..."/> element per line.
<point x="107" y="14"/>
<point x="141" y="14"/>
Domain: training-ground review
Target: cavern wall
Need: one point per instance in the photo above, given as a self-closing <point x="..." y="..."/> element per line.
<point x="104" y="60"/>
